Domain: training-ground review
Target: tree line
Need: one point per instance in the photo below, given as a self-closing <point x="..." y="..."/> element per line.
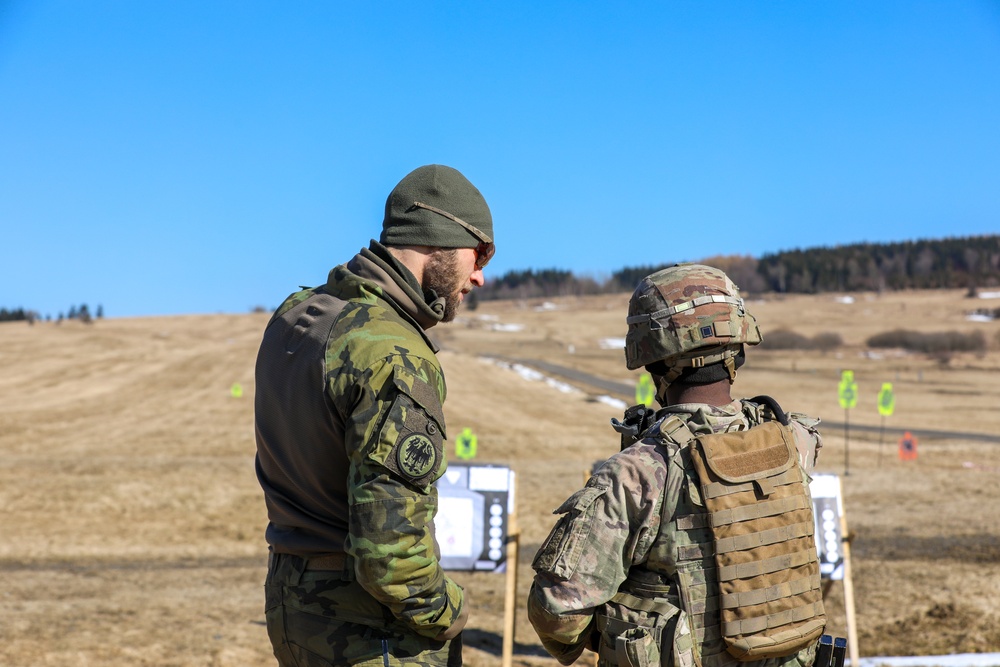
<point x="81" y="313"/>
<point x="971" y="262"/>
<point x="966" y="262"/>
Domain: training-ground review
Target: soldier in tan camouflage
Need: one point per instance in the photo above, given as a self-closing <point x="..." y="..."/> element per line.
<point x="350" y="438"/>
<point x="630" y="570"/>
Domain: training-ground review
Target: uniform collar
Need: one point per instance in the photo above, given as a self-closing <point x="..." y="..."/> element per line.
<point x="703" y="418"/>
<point x="397" y="285"/>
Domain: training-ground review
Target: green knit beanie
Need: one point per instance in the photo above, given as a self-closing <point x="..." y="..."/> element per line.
<point x="422" y="208"/>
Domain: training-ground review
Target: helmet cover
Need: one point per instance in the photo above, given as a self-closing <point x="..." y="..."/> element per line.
<point x="687" y="315"/>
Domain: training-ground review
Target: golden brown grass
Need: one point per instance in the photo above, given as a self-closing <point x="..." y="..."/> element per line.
<point x="133" y="524"/>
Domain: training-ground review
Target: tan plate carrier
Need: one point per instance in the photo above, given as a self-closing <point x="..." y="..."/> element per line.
<point x="762" y="524"/>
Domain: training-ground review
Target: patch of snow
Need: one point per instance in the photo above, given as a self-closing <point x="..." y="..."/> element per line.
<point x="989" y="295"/>
<point x="548" y="305"/>
<point x="506" y="327"/>
<point x="957" y="660"/>
<point x="844" y="299"/>
<point x="978" y="317"/>
<point x="975" y="466"/>
<point x="613" y="402"/>
<point x="531" y="375"/>
<point x="561" y="386"/>
<point x="612" y="343"/>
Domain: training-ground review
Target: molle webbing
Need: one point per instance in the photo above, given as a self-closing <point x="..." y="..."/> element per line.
<point x="764" y="538"/>
<point x="632" y="626"/>
<point x="644" y="604"/>
<point x="760" y="515"/>
<point x="762" y="567"/>
<point x="760" y="510"/>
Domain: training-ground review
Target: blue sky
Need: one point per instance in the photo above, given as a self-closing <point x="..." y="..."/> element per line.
<point x="184" y="157"/>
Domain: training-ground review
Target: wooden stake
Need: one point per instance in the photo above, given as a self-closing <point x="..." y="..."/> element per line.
<point x="852" y="626"/>
<point x="510" y="595"/>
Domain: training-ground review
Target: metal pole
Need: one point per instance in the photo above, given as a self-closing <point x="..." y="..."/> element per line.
<point x="847" y="441"/>
<point x="881" y="432"/>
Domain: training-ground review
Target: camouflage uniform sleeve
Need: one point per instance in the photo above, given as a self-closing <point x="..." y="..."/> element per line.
<point x="395" y="443"/>
<point x="603" y="530"/>
<point x="807" y="439"/>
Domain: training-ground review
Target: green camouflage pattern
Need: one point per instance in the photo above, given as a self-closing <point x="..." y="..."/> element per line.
<point x="322" y="618"/>
<point x="657" y="336"/>
<point x="388" y="382"/>
<point x="619" y="512"/>
<point x="386" y="388"/>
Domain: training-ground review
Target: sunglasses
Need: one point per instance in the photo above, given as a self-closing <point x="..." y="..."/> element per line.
<point x="486" y="247"/>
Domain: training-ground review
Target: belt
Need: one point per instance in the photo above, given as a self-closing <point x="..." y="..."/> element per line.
<point x="330" y="563"/>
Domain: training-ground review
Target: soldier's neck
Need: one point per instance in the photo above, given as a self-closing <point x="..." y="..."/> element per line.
<point x="716" y="393"/>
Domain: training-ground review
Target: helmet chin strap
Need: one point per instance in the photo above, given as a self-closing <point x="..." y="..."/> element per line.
<point x="661" y="390"/>
<point x="725" y="354"/>
<point x="731" y="368"/>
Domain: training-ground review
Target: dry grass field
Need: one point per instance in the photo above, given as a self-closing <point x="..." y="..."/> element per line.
<point x="132" y="530"/>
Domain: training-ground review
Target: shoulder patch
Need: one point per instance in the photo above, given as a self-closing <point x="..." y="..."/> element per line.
<point x="411" y="443"/>
<point x="416" y="456"/>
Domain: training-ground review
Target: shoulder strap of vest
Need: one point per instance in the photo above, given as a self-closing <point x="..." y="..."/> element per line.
<point x="676" y="430"/>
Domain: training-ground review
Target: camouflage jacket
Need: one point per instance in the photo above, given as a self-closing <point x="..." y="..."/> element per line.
<point x="613" y="530"/>
<point x="350" y="435"/>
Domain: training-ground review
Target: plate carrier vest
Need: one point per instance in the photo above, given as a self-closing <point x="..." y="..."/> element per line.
<point x="758" y="571"/>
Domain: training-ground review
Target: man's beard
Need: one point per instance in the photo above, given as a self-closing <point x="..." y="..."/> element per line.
<point x="443" y="276"/>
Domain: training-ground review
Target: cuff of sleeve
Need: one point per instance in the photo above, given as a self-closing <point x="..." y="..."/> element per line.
<point x="453" y="617"/>
<point x="566" y="654"/>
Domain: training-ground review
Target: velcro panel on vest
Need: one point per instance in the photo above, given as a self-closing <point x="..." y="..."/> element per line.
<point x="744" y="456"/>
<point x="762" y="527"/>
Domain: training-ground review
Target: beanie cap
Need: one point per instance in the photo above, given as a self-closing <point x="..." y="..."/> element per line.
<point x="436" y="206"/>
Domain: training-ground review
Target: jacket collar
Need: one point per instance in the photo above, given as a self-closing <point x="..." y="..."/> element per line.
<point x="398" y="285"/>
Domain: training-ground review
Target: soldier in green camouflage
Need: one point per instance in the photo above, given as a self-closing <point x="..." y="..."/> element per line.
<point x="350" y="438"/>
<point x="628" y="569"/>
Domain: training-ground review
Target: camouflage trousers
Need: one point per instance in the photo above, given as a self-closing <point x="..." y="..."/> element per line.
<point x="324" y="619"/>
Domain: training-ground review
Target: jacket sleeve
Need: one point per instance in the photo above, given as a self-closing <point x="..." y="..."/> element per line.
<point x="807" y="439"/>
<point x="395" y="444"/>
<point x="602" y="531"/>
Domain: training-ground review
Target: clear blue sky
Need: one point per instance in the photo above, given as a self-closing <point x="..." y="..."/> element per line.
<point x="195" y="157"/>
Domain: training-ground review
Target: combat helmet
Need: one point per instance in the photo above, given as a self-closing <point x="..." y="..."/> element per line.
<point x="687" y="316"/>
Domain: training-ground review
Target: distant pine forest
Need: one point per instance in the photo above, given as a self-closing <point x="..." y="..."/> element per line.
<point x="971" y="263"/>
<point x="81" y="313"/>
<point x="963" y="262"/>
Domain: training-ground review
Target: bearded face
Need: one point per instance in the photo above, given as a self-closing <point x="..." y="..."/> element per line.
<point x="444" y="275"/>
